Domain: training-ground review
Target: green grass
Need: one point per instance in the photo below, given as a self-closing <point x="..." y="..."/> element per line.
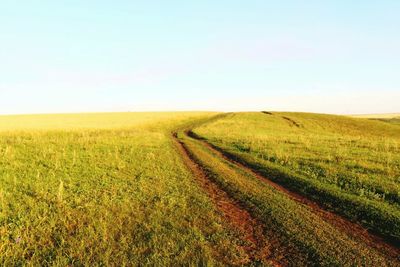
<point x="113" y="189"/>
<point x="104" y="189"/>
<point x="351" y="165"/>
<point x="301" y="237"/>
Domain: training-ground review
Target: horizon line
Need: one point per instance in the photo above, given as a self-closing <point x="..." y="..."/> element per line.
<point x="188" y="111"/>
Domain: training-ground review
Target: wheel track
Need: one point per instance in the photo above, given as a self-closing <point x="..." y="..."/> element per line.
<point x="259" y="249"/>
<point x="354" y="230"/>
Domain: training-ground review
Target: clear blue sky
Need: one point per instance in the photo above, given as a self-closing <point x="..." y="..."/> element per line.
<point x="322" y="56"/>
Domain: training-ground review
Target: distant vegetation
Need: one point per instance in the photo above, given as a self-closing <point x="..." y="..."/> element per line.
<point x="393" y="118"/>
<point x="378" y="116"/>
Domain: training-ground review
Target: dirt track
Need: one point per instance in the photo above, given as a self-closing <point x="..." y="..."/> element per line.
<point x="240" y="218"/>
<point x="352" y="229"/>
<point x="236" y="216"/>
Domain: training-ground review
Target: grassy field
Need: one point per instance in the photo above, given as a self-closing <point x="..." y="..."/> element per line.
<point x="393" y="118"/>
<point x="104" y="189"/>
<point x="349" y="165"/>
<point x="297" y="234"/>
<point x="378" y="116"/>
<point x="127" y="189"/>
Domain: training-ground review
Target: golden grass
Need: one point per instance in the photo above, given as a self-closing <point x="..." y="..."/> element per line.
<point x="377" y="116"/>
<point x="68" y="122"/>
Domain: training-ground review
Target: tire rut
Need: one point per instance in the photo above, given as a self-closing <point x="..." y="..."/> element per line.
<point x="354" y="230"/>
<point x="258" y="248"/>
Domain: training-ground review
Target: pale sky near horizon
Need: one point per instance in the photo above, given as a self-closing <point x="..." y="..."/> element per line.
<point x="81" y="56"/>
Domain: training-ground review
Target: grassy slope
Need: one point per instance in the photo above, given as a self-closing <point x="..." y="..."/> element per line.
<point x="299" y="236"/>
<point x="393" y="118"/>
<point x="113" y="196"/>
<point x="378" y="116"/>
<point x="349" y="164"/>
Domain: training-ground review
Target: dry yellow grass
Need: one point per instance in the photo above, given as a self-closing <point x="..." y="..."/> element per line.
<point x="377" y="116"/>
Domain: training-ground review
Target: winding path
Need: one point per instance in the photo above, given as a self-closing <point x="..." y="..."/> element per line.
<point x="235" y="215"/>
<point x="240" y="217"/>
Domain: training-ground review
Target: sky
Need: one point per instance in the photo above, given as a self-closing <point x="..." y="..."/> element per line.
<point x="334" y="56"/>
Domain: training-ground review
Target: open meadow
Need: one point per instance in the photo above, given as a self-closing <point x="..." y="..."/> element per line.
<point x="197" y="188"/>
<point x="164" y="133"/>
<point x="103" y="188"/>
